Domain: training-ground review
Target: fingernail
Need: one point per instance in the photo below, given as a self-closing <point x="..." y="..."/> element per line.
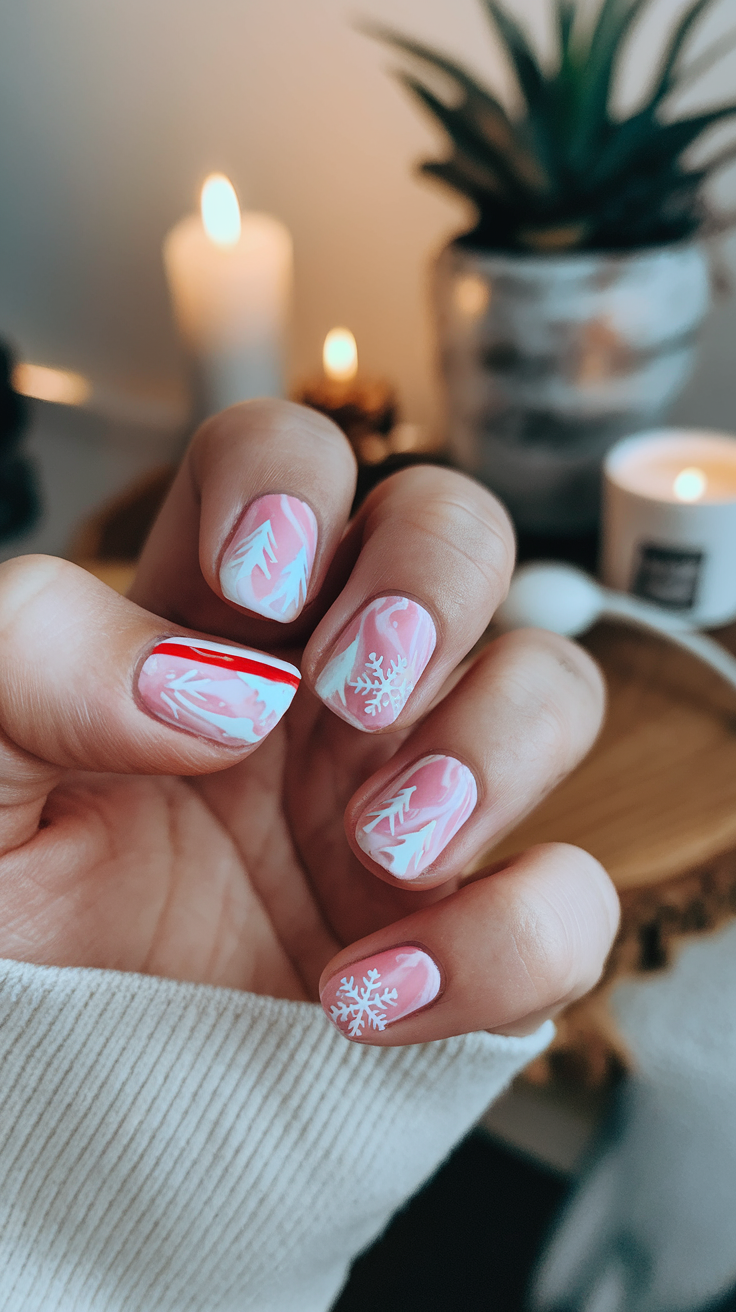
<point x="267" y="566"/>
<point x="410" y="823"/>
<point x="380" y="990"/>
<point x="229" y="694"/>
<point x="377" y="662"/>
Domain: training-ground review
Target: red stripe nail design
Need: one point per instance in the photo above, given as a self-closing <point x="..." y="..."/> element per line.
<point x="281" y="673"/>
<point x="229" y="694"/>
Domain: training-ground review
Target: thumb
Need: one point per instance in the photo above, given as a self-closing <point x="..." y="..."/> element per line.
<point x="93" y="682"/>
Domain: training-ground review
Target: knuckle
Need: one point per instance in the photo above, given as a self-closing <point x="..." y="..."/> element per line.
<point x="25" y="578"/>
<point x="265" y="422"/>
<point x="574" y="661"/>
<point x="550" y="956"/>
<point x="572" y="918"/>
<point x="463" y="524"/>
<point x="465" y="531"/>
<point x="555" y="684"/>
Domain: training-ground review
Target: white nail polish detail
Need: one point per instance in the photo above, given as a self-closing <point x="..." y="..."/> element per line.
<point x="229" y="694"/>
<point x="408" y="827"/>
<point x="381" y="989"/>
<point x="268" y="563"/>
<point x="377" y="661"/>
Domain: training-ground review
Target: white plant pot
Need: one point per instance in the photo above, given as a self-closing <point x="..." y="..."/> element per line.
<point x="548" y="360"/>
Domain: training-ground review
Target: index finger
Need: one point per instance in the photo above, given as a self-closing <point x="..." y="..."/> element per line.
<point x="249" y="529"/>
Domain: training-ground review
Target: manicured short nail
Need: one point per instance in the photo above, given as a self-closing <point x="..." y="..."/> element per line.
<point x="229" y="694"/>
<point x="267" y="565"/>
<point x="410" y="823"/>
<point x="379" y="990"/>
<point x="377" y="661"/>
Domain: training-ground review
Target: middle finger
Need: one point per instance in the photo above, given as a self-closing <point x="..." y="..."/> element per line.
<point x="435" y="559"/>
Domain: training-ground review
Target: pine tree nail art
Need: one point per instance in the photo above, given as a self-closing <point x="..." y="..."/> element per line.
<point x="229" y="694"/>
<point x="377" y="662"/>
<point x="267" y="566"/>
<point x="376" y="992"/>
<point x="408" y="826"/>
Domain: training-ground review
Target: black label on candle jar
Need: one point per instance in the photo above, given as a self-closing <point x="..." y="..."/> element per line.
<point x="668" y="575"/>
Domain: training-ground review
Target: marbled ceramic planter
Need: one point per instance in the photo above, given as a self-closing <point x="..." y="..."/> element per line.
<point x="548" y="360"/>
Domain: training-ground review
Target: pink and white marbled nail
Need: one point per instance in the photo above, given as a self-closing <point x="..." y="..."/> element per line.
<point x="229" y="694"/>
<point x="267" y="565"/>
<point x="380" y="990"/>
<point x="410" y="823"/>
<point x="377" y="661"/>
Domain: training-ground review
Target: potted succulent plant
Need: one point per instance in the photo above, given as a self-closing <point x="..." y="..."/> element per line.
<point x="567" y="315"/>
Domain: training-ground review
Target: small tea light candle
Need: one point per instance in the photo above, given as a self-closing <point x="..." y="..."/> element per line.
<point x="669" y="522"/>
<point x="365" y="409"/>
<point x="230" y="278"/>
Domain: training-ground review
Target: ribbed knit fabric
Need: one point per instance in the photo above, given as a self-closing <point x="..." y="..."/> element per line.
<point x="171" y="1147"/>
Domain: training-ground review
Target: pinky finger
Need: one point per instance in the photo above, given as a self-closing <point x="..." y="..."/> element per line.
<point x="503" y="953"/>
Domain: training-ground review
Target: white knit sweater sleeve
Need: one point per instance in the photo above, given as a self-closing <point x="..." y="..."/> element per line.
<point x="170" y="1147"/>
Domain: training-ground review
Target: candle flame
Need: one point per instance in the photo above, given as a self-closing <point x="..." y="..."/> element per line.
<point x="45" y="384"/>
<point x="690" y="484"/>
<point x="340" y="355"/>
<point x="220" y="210"/>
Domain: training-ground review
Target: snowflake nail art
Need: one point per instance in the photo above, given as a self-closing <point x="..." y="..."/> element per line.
<point x="409" y="825"/>
<point x="268" y="563"/>
<point x="229" y="694"/>
<point x="377" y="662"/>
<point x="380" y="990"/>
<point x="358" y="1007"/>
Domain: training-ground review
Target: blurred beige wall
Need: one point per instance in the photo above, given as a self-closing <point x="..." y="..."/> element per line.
<point x="112" y="111"/>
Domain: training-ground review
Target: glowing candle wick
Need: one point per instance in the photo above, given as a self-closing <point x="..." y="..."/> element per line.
<point x="340" y="355"/>
<point x="220" y="210"/>
<point x="690" y="484"/>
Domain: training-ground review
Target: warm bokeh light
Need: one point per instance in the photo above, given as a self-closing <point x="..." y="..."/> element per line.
<point x="45" y="384"/>
<point x="472" y="296"/>
<point x="340" y="355"/>
<point x="220" y="210"/>
<point x="690" y="484"/>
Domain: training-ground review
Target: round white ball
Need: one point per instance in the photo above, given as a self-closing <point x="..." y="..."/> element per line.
<point x="546" y="595"/>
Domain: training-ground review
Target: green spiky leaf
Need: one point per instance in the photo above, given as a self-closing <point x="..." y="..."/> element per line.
<point x="511" y="167"/>
<point x="563" y="172"/>
<point x="675" y="47"/>
<point x="641" y="142"/>
<point x="614" y="22"/>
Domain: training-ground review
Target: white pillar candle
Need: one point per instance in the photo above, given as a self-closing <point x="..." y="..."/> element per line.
<point x="230" y="277"/>
<point x="669" y="521"/>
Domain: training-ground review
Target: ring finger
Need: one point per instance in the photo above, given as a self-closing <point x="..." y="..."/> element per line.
<point x="524" y="714"/>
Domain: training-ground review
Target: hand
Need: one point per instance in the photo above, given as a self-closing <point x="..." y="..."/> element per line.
<point x="146" y="827"/>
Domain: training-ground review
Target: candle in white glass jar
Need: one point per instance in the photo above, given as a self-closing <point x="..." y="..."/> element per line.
<point x="669" y="521"/>
<point x="230" y="277"/>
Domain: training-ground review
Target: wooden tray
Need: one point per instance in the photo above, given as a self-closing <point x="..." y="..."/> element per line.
<point x="656" y="797"/>
<point x="655" y="801"/>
